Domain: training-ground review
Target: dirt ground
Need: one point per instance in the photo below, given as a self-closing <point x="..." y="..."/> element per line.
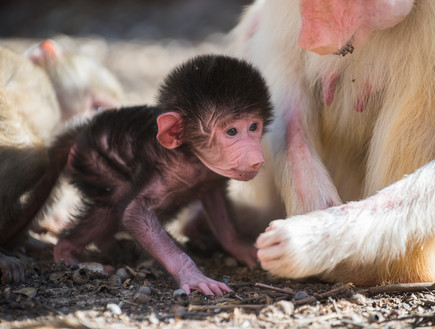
<point x="140" y="42"/>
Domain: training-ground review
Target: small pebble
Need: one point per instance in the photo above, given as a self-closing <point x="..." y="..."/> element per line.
<point x="145" y="290"/>
<point x="285" y="307"/>
<point x="141" y="298"/>
<point x="153" y="318"/>
<point x="92" y="266"/>
<point x="115" y="280"/>
<point x="122" y="273"/>
<point x="180" y="297"/>
<point x="358" y="299"/>
<point x="301" y="295"/>
<point x="114" y="308"/>
<point x="179" y="292"/>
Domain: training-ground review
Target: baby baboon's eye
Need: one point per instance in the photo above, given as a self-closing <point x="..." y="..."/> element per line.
<point x="253" y="127"/>
<point x="231" y="132"/>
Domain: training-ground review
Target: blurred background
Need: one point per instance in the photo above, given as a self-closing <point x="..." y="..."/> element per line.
<point x="140" y="41"/>
<point x="128" y="19"/>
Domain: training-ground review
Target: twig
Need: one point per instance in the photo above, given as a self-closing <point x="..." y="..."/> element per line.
<point x="287" y="291"/>
<point x="184" y="315"/>
<point x="399" y="287"/>
<point x="428" y="302"/>
<point x="410" y="317"/>
<point x="335" y="291"/>
<point x="353" y="323"/>
<point x="224" y="307"/>
<point x="325" y="317"/>
<point x="337" y="310"/>
<point x="330" y="293"/>
<point x="291" y="322"/>
<point x="53" y="324"/>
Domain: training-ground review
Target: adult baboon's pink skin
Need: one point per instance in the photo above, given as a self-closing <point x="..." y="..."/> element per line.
<point x="327" y="25"/>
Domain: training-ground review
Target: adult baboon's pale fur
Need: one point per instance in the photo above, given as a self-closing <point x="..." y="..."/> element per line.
<point x="346" y="126"/>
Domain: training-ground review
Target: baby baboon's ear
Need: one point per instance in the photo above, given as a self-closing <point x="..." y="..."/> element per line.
<point x="169" y="126"/>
